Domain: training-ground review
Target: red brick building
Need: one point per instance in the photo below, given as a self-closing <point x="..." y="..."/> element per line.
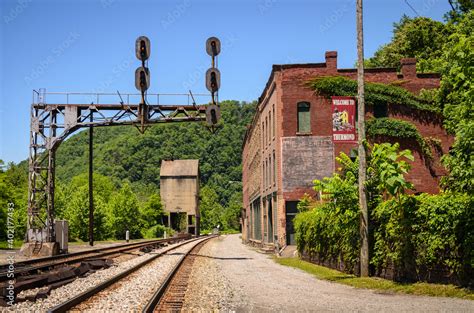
<point x="289" y="144"/>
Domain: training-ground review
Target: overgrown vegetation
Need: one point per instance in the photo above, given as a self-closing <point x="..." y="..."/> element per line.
<point x="390" y="127"/>
<point x="376" y="94"/>
<point x="126" y="177"/>
<point x="415" y="236"/>
<point x="445" y="48"/>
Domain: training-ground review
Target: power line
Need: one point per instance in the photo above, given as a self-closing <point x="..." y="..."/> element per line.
<point x="411" y="7"/>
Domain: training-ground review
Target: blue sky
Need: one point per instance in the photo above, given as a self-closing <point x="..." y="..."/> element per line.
<point x="88" y="46"/>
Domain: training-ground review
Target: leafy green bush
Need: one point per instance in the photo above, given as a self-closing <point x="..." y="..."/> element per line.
<point x="443" y="232"/>
<point x="425" y="234"/>
<point x="157" y="231"/>
<point x="330" y="231"/>
<point x="392" y="223"/>
<point x="414" y="236"/>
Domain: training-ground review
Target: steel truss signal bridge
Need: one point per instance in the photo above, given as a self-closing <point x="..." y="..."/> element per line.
<point x="52" y="122"/>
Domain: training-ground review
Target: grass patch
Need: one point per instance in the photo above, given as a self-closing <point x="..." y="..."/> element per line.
<point x="16" y="244"/>
<point x="377" y="283"/>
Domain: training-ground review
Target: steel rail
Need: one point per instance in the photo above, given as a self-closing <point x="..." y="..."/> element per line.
<point x="78" y="299"/>
<point x="47" y="262"/>
<point x="161" y="291"/>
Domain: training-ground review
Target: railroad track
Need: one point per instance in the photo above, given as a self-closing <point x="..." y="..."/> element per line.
<point x="91" y="298"/>
<point x="53" y="272"/>
<point x="171" y="294"/>
<point x="43" y="264"/>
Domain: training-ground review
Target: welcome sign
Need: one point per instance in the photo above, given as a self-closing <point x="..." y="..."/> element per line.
<point x="343" y="119"/>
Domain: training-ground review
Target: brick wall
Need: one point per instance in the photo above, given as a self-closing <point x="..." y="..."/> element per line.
<point x="285" y="88"/>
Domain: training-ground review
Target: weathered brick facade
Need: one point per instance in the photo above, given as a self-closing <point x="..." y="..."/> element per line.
<point x="279" y="163"/>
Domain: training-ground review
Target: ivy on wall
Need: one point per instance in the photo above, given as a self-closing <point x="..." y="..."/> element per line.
<point x="375" y="93"/>
<point x="398" y="129"/>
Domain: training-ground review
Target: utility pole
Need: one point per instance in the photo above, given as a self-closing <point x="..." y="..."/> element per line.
<point x="364" y="217"/>
<point x="91" y="189"/>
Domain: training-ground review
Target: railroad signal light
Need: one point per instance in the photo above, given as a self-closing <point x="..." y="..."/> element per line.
<point x="142" y="78"/>
<point x="213" y="79"/>
<point x="142" y="48"/>
<point x="213" y="114"/>
<point x="213" y="46"/>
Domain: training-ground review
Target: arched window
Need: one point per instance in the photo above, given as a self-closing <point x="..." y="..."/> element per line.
<point x="304" y="119"/>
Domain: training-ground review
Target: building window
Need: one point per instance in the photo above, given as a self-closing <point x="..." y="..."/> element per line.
<point x="269" y="171"/>
<point x="380" y="110"/>
<point x="266" y="127"/>
<point x="267" y="178"/>
<point x="263" y="133"/>
<point x="274" y="168"/>
<point x="269" y="125"/>
<point x="304" y="121"/>
<point x="353" y="154"/>
<point x="264" y="174"/>
<point x="274" y="118"/>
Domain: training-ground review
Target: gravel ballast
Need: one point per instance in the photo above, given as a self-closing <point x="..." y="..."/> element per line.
<point x="80" y="285"/>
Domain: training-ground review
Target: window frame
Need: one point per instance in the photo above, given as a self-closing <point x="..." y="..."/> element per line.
<point x="299" y="125"/>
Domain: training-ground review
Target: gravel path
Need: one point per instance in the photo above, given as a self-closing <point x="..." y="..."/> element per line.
<point x="78" y="286"/>
<point x="234" y="277"/>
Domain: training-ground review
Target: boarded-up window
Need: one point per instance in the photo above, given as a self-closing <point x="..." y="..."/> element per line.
<point x="304" y="120"/>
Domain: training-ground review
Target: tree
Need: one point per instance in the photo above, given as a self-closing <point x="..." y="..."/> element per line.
<point x="210" y="208"/>
<point x="124" y="213"/>
<point x="232" y="212"/>
<point x="72" y="203"/>
<point x="459" y="8"/>
<point x="456" y="95"/>
<point x="76" y="213"/>
<point x="421" y="38"/>
<point x="4" y="198"/>
<point x="13" y="189"/>
<point x="152" y="212"/>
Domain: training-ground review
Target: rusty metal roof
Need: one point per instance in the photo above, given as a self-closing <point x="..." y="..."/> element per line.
<point x="179" y="168"/>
